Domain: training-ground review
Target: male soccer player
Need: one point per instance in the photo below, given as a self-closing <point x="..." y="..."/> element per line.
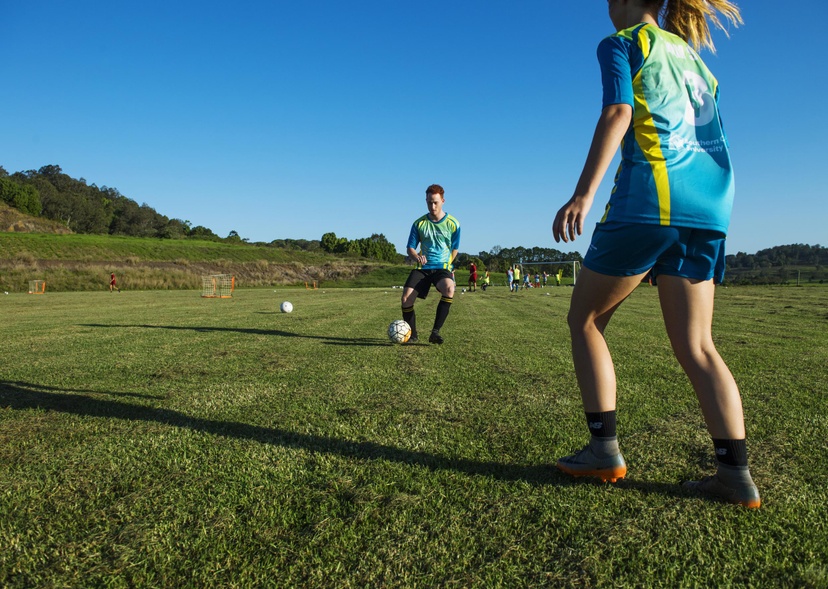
<point x="438" y="235"/>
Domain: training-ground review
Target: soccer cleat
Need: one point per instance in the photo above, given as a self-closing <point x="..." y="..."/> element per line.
<point x="731" y="484"/>
<point x="411" y="340"/>
<point x="585" y="463"/>
<point x="435" y="338"/>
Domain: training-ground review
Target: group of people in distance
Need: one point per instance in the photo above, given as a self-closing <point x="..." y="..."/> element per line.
<point x="667" y="217"/>
<point x="514" y="283"/>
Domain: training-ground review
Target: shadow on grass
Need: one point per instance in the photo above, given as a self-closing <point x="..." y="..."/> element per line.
<point x="23" y="396"/>
<point x="333" y="341"/>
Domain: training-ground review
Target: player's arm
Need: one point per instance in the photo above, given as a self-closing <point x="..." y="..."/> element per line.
<point x="413" y="242"/>
<point x="455" y="245"/>
<point x="618" y="58"/>
<point x="612" y="125"/>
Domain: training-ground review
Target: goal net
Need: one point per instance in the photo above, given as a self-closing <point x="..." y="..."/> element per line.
<point x="556" y="274"/>
<point x="218" y="286"/>
<point x="37" y="287"/>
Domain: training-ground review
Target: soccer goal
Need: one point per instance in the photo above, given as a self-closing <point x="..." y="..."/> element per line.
<point x="576" y="267"/>
<point x="37" y="287"/>
<point x="218" y="286"/>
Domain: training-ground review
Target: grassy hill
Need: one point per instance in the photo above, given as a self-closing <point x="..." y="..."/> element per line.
<point x="84" y="262"/>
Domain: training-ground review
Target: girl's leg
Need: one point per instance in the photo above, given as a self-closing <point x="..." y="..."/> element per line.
<point x="594" y="300"/>
<point x="687" y="307"/>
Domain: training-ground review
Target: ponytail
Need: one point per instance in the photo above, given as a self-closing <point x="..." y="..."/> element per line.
<point x="688" y="19"/>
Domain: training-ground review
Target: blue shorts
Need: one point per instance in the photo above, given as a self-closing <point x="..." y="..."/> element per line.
<point x="628" y="249"/>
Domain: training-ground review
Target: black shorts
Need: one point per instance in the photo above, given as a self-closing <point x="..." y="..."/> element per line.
<point x="422" y="280"/>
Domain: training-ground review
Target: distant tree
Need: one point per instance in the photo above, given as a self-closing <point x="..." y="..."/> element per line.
<point x="23" y="197"/>
<point x="329" y="242"/>
<point x="175" y="229"/>
<point x="201" y="232"/>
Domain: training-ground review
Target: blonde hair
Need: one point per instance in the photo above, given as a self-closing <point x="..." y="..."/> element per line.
<point x="689" y="19"/>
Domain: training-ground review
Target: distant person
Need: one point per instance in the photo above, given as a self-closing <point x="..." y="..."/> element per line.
<point x="438" y="234"/>
<point x="486" y="281"/>
<point x="112" y="283"/>
<point x="668" y="212"/>
<point x="510" y="276"/>
<point x="526" y="284"/>
<point x="537" y="280"/>
<point x="545" y="278"/>
<point x="472" y="277"/>
<point x="516" y="282"/>
<point x="558" y="277"/>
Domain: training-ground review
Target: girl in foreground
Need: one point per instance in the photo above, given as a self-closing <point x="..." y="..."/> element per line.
<point x="668" y="214"/>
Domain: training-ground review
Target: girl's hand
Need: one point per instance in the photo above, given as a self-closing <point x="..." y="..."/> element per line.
<point x="569" y="222"/>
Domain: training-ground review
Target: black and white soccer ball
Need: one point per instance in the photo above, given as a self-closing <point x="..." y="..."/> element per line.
<point x="399" y="331"/>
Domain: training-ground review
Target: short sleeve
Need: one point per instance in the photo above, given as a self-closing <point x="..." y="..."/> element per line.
<point x="616" y="71"/>
<point x="413" y="237"/>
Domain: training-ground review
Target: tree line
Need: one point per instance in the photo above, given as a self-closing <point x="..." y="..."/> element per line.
<point x="87" y="208"/>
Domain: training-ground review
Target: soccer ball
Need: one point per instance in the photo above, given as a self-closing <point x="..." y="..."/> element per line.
<point x="286" y="307"/>
<point x="399" y="331"/>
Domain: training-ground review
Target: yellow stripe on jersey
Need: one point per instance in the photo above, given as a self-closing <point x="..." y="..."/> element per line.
<point x="646" y="135"/>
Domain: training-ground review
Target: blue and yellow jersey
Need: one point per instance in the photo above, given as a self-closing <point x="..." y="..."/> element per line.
<point x="437" y="239"/>
<point x="675" y="163"/>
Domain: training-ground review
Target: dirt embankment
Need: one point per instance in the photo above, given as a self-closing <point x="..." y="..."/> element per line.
<point x="72" y="275"/>
<point x="13" y="221"/>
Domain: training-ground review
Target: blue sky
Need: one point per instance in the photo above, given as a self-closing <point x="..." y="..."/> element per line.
<point x="290" y="119"/>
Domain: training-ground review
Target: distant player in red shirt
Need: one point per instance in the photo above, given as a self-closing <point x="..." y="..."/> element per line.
<point x="472" y="277"/>
<point x="112" y="285"/>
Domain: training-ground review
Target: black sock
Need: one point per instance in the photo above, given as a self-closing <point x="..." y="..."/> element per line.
<point x="443" y="308"/>
<point x="408" y="317"/>
<point x="601" y="424"/>
<point x="731" y="452"/>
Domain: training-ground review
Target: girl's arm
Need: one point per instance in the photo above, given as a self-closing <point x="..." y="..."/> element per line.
<point x="612" y="125"/>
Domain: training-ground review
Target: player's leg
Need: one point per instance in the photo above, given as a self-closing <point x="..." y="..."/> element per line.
<point x="687" y="306"/>
<point x="411" y="290"/>
<point x="445" y="286"/>
<point x="409" y="297"/>
<point x="594" y="300"/>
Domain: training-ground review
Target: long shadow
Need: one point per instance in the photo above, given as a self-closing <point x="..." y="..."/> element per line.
<point x="334" y="341"/>
<point x="23" y="396"/>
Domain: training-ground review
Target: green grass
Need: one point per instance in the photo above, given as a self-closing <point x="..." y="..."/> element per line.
<point x="78" y="247"/>
<point x="157" y="439"/>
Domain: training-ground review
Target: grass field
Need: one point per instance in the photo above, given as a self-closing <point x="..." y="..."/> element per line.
<point x="157" y="439"/>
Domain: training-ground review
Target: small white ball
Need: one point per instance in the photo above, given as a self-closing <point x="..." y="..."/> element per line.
<point x="286" y="307"/>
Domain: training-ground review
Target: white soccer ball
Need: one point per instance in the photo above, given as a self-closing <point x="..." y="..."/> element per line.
<point x="286" y="307"/>
<point x="399" y="331"/>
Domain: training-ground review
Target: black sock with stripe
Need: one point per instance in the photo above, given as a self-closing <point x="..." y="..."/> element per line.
<point x="408" y="317"/>
<point x="443" y="308"/>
